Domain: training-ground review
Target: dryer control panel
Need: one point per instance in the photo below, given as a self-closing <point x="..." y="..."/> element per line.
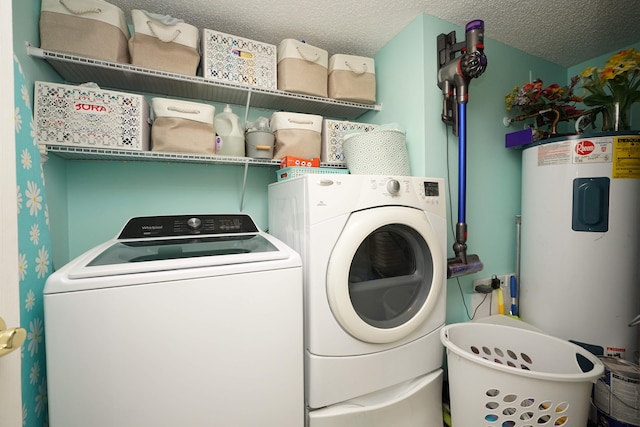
<point x="187" y="225"/>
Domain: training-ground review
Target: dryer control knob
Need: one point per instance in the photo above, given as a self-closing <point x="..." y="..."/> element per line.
<point x="393" y="186"/>
<point x="194" y="223"/>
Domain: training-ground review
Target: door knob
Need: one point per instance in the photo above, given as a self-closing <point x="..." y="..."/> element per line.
<point x="10" y="339"/>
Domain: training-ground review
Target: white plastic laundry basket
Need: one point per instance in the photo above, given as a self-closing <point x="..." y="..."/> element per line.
<point x="511" y="377"/>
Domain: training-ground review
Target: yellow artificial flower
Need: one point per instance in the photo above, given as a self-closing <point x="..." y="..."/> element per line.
<point x="588" y="72"/>
<point x="624" y="67"/>
<point x="607" y="73"/>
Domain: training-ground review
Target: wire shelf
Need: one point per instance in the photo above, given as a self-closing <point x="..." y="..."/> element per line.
<point x="83" y="153"/>
<point x="76" y="69"/>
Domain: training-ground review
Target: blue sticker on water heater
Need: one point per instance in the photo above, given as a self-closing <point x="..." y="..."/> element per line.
<point x="590" y="204"/>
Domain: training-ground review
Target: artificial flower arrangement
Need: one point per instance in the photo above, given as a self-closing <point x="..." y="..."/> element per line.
<point x="547" y="105"/>
<point x="615" y="87"/>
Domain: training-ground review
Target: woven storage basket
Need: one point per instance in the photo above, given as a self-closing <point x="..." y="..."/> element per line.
<point x="507" y="376"/>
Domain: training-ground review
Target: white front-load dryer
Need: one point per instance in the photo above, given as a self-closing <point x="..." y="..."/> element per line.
<point x="374" y="264"/>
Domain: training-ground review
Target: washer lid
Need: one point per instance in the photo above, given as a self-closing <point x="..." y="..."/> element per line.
<point x="148" y="244"/>
<point x="140" y="256"/>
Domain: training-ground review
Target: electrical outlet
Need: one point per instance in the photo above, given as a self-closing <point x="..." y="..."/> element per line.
<point x="504" y="281"/>
<point x="487" y="304"/>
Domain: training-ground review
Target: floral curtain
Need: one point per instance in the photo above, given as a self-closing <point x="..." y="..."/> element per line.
<point x="34" y="247"/>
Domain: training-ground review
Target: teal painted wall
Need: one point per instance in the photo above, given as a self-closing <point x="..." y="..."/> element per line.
<point x="408" y="91"/>
<point x="104" y="194"/>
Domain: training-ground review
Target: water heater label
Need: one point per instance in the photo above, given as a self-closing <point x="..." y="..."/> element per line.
<point x="594" y="150"/>
<point x="626" y="157"/>
<point x="558" y="153"/>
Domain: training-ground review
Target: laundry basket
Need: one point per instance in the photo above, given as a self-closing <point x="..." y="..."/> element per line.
<point x="506" y="376"/>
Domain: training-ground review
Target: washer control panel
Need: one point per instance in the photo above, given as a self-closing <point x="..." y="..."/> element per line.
<point x="187" y="225"/>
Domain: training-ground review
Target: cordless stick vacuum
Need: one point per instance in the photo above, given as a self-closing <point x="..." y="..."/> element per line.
<point x="454" y="75"/>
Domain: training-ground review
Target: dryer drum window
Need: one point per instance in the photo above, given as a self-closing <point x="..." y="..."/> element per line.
<point x="390" y="276"/>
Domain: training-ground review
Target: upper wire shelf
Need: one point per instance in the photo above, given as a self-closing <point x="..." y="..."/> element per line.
<point x="77" y="69"/>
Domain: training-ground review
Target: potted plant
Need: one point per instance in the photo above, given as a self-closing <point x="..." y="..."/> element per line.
<point x="547" y="105"/>
<point x="615" y="87"/>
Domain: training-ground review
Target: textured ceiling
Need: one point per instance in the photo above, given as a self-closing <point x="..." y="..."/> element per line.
<point x="566" y="32"/>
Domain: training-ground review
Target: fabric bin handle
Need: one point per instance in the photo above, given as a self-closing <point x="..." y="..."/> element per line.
<point x="76" y="11"/>
<point x="364" y="68"/>
<point x="183" y="110"/>
<point x="301" y="122"/>
<point x="176" y="33"/>
<point x="306" y="57"/>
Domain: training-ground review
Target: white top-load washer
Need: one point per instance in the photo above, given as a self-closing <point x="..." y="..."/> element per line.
<point x="188" y="320"/>
<point x="373" y="250"/>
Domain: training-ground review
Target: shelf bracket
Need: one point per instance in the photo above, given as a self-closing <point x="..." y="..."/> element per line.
<point x="244" y="185"/>
<point x="33" y="51"/>
<point x="246" y="108"/>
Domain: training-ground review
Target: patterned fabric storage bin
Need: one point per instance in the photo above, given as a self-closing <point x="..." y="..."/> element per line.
<point x="302" y="68"/>
<point x="90" y="117"/>
<point x="155" y="45"/>
<point x="333" y="132"/>
<point x="92" y="28"/>
<point x="352" y="78"/>
<point x="233" y="59"/>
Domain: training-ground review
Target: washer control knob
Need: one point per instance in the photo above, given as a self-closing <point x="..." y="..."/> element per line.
<point x="393" y="186"/>
<point x="194" y="223"/>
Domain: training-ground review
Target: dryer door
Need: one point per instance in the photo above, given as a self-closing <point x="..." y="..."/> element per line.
<point x="385" y="273"/>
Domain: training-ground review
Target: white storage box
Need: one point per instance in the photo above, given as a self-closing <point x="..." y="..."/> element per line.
<point x="182" y="126"/>
<point x="233" y="59"/>
<point x="352" y="78"/>
<point x="381" y="151"/>
<point x="93" y="28"/>
<point x="89" y="117"/>
<point x="333" y="132"/>
<point x="297" y="135"/>
<point x="156" y="45"/>
<point x="302" y="68"/>
<point x="506" y="376"/>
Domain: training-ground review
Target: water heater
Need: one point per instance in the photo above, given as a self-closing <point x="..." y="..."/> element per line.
<point x="580" y="256"/>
